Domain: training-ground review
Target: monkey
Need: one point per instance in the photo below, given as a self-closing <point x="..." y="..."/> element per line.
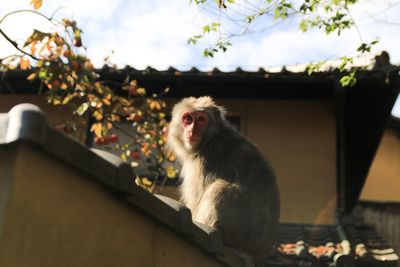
<point x="226" y="181"/>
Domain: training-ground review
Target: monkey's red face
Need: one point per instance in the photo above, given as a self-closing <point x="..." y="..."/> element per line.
<point x="194" y="125"/>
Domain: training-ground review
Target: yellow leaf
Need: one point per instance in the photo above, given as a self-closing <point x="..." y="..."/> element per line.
<point x="31" y="77"/>
<point x="82" y="109"/>
<point x="96" y="128"/>
<point x="172" y="157"/>
<point x="141" y="91"/>
<point x="138" y="181"/>
<point x="64" y="86"/>
<point x="106" y="101"/>
<point x="146" y="181"/>
<point x="67" y="99"/>
<point x="155" y="105"/>
<point x="36" y="4"/>
<point x="97" y="115"/>
<point x="109" y="125"/>
<point x="171" y="172"/>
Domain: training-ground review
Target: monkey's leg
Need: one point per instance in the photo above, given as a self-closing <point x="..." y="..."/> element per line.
<point x="242" y="225"/>
<point x="223" y="206"/>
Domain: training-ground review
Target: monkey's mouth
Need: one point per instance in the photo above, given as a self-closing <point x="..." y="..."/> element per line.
<point x="192" y="137"/>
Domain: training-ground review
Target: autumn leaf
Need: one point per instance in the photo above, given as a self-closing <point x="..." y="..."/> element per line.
<point x="96" y="129"/>
<point x="36" y="4"/>
<point x="154" y="105"/>
<point x="146" y="181"/>
<point x="171" y="157"/>
<point x="82" y="109"/>
<point x="109" y="125"/>
<point x="32" y="76"/>
<point x="171" y="172"/>
<point x="106" y="101"/>
<point x="64" y="86"/>
<point x="33" y="47"/>
<point x="97" y="115"/>
<point x="141" y="91"/>
<point x="24" y="64"/>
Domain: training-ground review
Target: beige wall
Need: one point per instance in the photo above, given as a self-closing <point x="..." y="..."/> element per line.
<point x="57" y="217"/>
<point x="299" y="139"/>
<point x="383" y="182"/>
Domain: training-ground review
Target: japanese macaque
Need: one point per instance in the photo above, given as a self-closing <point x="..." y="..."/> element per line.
<point x="226" y="182"/>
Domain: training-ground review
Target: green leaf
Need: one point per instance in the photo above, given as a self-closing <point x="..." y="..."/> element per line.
<point x="304" y="25"/>
<point x="43" y="74"/>
<point x="82" y="109"/>
<point x="348" y="80"/>
<point x="206" y="28"/>
<point x="208" y="52"/>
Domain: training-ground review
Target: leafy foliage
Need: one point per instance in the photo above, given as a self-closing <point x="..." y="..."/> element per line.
<point x="330" y="16"/>
<point x="58" y="60"/>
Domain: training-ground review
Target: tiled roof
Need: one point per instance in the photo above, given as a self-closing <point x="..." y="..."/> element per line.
<point x="233" y="84"/>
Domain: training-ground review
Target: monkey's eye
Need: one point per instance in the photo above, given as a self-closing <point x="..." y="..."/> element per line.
<point x="187" y="119"/>
<point x="201" y="119"/>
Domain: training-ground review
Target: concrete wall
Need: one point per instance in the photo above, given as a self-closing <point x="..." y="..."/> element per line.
<point x="55" y="216"/>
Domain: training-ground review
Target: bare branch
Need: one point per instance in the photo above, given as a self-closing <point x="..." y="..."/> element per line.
<point x="13" y="43"/>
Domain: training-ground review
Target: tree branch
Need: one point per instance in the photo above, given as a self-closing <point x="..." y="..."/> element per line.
<point x="23" y="11"/>
<point x="13" y="43"/>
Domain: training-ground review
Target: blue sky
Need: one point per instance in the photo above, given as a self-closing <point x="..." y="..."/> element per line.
<point x="154" y="33"/>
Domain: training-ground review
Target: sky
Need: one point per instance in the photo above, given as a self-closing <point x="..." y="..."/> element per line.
<point x="155" y="33"/>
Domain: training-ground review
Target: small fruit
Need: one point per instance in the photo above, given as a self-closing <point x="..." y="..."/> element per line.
<point x="78" y="42"/>
<point x="106" y="140"/>
<point x="98" y="140"/>
<point x="135" y="155"/>
<point x="114" y="138"/>
<point x="132" y="90"/>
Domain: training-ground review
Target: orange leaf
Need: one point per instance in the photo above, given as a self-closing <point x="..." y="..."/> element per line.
<point x="31" y="77"/>
<point x="155" y="105"/>
<point x="96" y="128"/>
<point x="97" y="115"/>
<point x="33" y="47"/>
<point x="36" y="4"/>
<point x="24" y="64"/>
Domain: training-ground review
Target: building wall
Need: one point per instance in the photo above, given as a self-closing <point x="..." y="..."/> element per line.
<point x="383" y="182"/>
<point x="297" y="136"/>
<point x="55" y="216"/>
<point x="299" y="139"/>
